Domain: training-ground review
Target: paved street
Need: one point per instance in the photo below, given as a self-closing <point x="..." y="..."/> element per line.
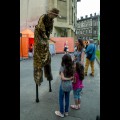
<point x="44" y="110"/>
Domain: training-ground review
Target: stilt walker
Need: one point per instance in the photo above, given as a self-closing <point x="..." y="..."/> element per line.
<point x="42" y="56"/>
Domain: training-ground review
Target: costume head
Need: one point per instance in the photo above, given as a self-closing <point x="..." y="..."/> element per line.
<point x="54" y="11"/>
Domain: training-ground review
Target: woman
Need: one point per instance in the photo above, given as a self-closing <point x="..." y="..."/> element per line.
<point x="79" y="53"/>
<point x="42" y="57"/>
<point x="66" y="50"/>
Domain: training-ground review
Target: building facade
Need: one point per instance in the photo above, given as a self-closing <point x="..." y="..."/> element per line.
<point x="30" y="11"/>
<point x="88" y="27"/>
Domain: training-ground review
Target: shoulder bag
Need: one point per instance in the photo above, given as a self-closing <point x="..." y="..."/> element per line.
<point x="66" y="85"/>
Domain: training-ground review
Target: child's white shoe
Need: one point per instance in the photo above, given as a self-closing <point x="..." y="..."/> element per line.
<point x="66" y="113"/>
<point x="74" y="107"/>
<point x="59" y="114"/>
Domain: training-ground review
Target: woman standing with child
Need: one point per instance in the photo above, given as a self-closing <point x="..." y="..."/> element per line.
<point x="66" y="73"/>
<point x="79" y="52"/>
<point x="77" y="84"/>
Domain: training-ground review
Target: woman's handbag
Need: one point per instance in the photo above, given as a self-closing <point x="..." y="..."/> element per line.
<point x="89" y="56"/>
<point x="66" y="85"/>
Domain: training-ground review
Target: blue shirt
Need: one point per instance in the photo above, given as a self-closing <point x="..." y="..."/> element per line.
<point x="90" y="50"/>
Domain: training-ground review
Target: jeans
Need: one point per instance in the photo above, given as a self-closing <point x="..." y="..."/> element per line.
<point x="63" y="94"/>
<point x="76" y="93"/>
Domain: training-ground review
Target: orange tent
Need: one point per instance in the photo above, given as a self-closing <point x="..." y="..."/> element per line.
<point x="25" y="41"/>
<point x="29" y="32"/>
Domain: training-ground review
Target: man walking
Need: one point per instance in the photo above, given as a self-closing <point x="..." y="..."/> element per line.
<point x="90" y="57"/>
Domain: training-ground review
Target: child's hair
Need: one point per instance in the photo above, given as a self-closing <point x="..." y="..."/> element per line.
<point x="80" y="70"/>
<point x="68" y="64"/>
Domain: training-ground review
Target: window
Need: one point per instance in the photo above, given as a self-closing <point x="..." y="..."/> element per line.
<point x="83" y="24"/>
<point x="64" y="18"/>
<point x="94" y="32"/>
<point x="83" y="31"/>
<point x="63" y="0"/>
<point x="90" y="22"/>
<point x="79" y="24"/>
<point x="89" y="31"/>
<point x="77" y="31"/>
<point x="72" y="15"/>
<point x="94" y="23"/>
<point x="55" y="35"/>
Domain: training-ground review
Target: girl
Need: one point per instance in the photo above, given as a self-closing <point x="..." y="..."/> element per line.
<point x="66" y="73"/>
<point x="77" y="84"/>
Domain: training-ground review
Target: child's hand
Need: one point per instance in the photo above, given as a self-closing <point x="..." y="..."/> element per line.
<point x="71" y="78"/>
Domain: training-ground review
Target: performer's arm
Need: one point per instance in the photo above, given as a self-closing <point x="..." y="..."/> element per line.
<point x="52" y="40"/>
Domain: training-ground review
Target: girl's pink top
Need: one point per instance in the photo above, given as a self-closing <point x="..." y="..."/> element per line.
<point x="79" y="83"/>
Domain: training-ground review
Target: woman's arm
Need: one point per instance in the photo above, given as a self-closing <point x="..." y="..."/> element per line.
<point x="82" y="57"/>
<point x="74" y="79"/>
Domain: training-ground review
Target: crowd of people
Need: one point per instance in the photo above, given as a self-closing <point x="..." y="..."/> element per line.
<point x="72" y="69"/>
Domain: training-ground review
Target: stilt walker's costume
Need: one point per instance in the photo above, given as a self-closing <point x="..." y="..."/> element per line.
<point x="42" y="56"/>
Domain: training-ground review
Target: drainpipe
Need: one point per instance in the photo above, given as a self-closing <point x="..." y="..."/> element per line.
<point x="27" y="12"/>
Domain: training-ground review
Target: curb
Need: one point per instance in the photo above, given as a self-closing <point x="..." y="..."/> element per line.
<point x="98" y="61"/>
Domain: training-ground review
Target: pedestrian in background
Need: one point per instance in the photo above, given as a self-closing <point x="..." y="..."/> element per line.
<point x="90" y="51"/>
<point x="66" y="73"/>
<point x="77" y="84"/>
<point x="79" y="53"/>
<point x="66" y="49"/>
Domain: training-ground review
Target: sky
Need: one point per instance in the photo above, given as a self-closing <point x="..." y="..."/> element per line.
<point x="87" y="7"/>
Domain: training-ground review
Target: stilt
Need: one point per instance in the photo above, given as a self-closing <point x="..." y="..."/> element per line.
<point x="37" y="99"/>
<point x="50" y="90"/>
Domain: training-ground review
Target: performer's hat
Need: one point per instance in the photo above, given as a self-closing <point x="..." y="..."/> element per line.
<point x="54" y="11"/>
